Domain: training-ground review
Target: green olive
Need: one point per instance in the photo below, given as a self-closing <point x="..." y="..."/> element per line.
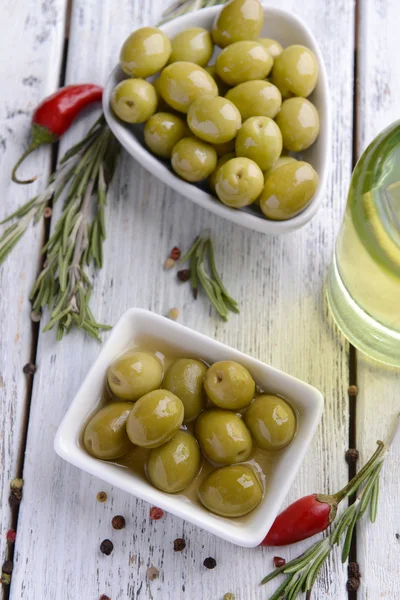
<point x="134" y="374"/>
<point x="295" y="71"/>
<point x="259" y="139"/>
<point x="105" y="435"/>
<point x="162" y="131"/>
<point x="282" y="160"/>
<point x="154" y="419"/>
<point x="298" y="121"/>
<point x="214" y="119"/>
<point x="222" y="87"/>
<point x="223" y="437"/>
<point x="145" y="52"/>
<point x="238" y="20"/>
<point x="288" y="190"/>
<point x="229" y="385"/>
<point x="193" y="159"/>
<point x="173" y="466"/>
<point x="239" y="182"/>
<point x="225" y="148"/>
<point x="231" y="491"/>
<point x="192" y="45"/>
<point x="221" y="161"/>
<point x="272" y="422"/>
<point x="185" y="378"/>
<point x="181" y="83"/>
<point x="275" y="49"/>
<point x="243" y="61"/>
<point x="134" y="100"/>
<point x="256" y="99"/>
<point x="162" y="106"/>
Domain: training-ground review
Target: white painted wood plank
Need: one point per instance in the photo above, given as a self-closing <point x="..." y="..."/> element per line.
<point x="278" y="281"/>
<point x="378" y="547"/>
<point x="31" y="36"/>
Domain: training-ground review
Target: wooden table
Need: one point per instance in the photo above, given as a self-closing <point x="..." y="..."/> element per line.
<point x="284" y="320"/>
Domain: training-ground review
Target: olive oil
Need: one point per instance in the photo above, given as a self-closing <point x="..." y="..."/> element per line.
<point x="363" y="286"/>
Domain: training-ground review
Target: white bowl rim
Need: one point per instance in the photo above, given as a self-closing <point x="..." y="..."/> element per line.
<point x="202" y="198"/>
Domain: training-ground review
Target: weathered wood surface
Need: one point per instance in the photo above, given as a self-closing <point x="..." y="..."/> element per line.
<point x="379" y="399"/>
<point x="30" y="56"/>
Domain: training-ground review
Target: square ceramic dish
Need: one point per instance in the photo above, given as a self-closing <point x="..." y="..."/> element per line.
<point x="136" y="324"/>
<point x="287" y="29"/>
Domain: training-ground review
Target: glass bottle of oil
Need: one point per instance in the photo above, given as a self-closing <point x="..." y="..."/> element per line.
<point x="363" y="285"/>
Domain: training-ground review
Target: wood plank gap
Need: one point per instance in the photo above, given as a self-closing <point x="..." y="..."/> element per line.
<point x="36" y="326"/>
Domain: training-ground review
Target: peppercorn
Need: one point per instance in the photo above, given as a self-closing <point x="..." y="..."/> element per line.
<point x="101" y="496"/>
<point x="183" y="275"/>
<point x="353" y="390"/>
<point x="179" y="544"/>
<point x="106" y="547"/>
<point x="279" y="561"/>
<point x="352" y="456"/>
<point x="175" y="253"/>
<point x="210" y="563"/>
<point x="173" y="314"/>
<point x="17" y="484"/>
<point x="104" y="597"/>
<point x="229" y="596"/>
<point x="36" y="316"/>
<point x="15" y="497"/>
<point x="7" y="567"/>
<point x="118" y="522"/>
<point x="152" y="573"/>
<point x="11" y="536"/>
<point x="47" y="212"/>
<point x="30" y="369"/>
<point x="169" y="263"/>
<point x="352" y="584"/>
<point x="353" y="570"/>
<point x="156" y="513"/>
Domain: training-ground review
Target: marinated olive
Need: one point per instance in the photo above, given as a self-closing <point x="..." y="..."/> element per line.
<point x="193" y="45"/>
<point x="282" y="160"/>
<point x="193" y="159"/>
<point x="275" y="49"/>
<point x="221" y="161"/>
<point x="272" y="422"/>
<point x="243" y="61"/>
<point x="105" y="435"/>
<point x="239" y="182"/>
<point x="145" y="52"/>
<point x="229" y="385"/>
<point x="225" y="148"/>
<point x="298" y="121"/>
<point x="162" y="106"/>
<point x="174" y="465"/>
<point x="288" y="190"/>
<point x="162" y="131"/>
<point x="215" y="120"/>
<point x="185" y="378"/>
<point x="154" y="419"/>
<point x="134" y="374"/>
<point x="231" y="491"/>
<point x="134" y="100"/>
<point x="181" y="83"/>
<point x="260" y="140"/>
<point x="223" y="437"/>
<point x="222" y="87"/>
<point x="295" y="71"/>
<point x="256" y="99"/>
<point x="238" y="20"/>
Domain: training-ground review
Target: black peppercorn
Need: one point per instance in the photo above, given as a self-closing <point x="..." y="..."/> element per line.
<point x="7" y="567"/>
<point x="30" y="369"/>
<point x="101" y="496"/>
<point x="15" y="497"/>
<point x="106" y="547"/>
<point x="179" y="544"/>
<point x="353" y="390"/>
<point x="353" y="584"/>
<point x="118" y="522"/>
<point x="352" y="456"/>
<point x="183" y="275"/>
<point x="104" y="597"/>
<point x="210" y="563"/>
<point x="353" y="570"/>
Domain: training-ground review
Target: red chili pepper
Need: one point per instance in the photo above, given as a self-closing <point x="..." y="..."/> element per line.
<point x="312" y="514"/>
<point x="54" y="116"/>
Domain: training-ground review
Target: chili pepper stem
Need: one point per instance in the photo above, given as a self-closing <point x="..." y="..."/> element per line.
<point x="40" y="136"/>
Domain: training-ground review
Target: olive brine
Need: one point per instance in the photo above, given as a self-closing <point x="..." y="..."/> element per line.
<point x="198" y="424"/>
<point x="233" y="121"/>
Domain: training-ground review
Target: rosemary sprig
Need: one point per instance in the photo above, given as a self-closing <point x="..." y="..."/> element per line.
<point x="301" y="572"/>
<point x="200" y="254"/>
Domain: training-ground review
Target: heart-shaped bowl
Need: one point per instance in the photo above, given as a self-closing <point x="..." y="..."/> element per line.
<point x="287" y="29"/>
<point x="136" y="328"/>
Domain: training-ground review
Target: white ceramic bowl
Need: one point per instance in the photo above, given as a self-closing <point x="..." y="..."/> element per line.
<point x="287" y="29"/>
<point x="132" y="326"/>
